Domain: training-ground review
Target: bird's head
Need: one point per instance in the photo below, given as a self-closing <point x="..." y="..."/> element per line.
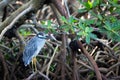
<point x="42" y="35"/>
<point x="45" y="36"/>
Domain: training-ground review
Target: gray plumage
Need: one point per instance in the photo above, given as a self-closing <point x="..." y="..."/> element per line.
<point x="33" y="47"/>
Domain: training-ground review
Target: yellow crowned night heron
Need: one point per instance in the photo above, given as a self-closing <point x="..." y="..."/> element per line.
<point x="33" y="47"/>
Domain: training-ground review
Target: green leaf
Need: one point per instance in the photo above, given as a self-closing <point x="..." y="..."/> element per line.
<point x="96" y="2"/>
<point x="88" y="29"/>
<point x="49" y="24"/>
<point x="71" y="20"/>
<point x="93" y="13"/>
<point x="64" y="19"/>
<point x="115" y="1"/>
<point x="82" y="10"/>
<point x="100" y="16"/>
<point x="24" y="32"/>
<point x="89" y="22"/>
<point x="116" y="28"/>
<point x="80" y="25"/>
<point x="107" y="25"/>
<point x="117" y="10"/>
<point x="116" y="25"/>
<point x="65" y="27"/>
<point x="88" y="4"/>
<point x="80" y="33"/>
<point x="93" y="36"/>
<point x="91" y="29"/>
<point x="114" y="32"/>
<point x="87" y="39"/>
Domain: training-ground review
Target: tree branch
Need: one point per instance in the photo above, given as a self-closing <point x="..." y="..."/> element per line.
<point x="14" y="20"/>
<point x="91" y="60"/>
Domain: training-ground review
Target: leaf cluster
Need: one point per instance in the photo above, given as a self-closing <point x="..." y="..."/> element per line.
<point x="102" y="17"/>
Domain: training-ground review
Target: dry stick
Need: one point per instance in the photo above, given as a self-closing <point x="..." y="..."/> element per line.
<point x="13" y="22"/>
<point x="111" y="50"/>
<point x="55" y="13"/>
<point x="104" y="70"/>
<point x="13" y="15"/>
<point x="22" y="44"/>
<point x="6" y="73"/>
<point x="46" y="77"/>
<point x="67" y="15"/>
<point x="85" y="65"/>
<point x="91" y="60"/>
<point x="65" y="2"/>
<point x="51" y="60"/>
<point x="35" y="73"/>
<point x="4" y="3"/>
<point x="115" y="65"/>
<point x="116" y="45"/>
<point x="60" y="8"/>
<point x="36" y="4"/>
<point x="63" y="56"/>
<point x="75" y="75"/>
<point x="63" y="11"/>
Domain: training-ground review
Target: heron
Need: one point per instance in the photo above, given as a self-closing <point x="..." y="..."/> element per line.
<point x="33" y="48"/>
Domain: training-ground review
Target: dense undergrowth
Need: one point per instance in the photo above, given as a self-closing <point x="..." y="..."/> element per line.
<point x="87" y="43"/>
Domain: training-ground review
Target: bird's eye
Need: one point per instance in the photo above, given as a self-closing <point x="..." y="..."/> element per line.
<point x="40" y="34"/>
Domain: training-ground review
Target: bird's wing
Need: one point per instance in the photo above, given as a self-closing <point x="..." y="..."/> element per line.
<point x="29" y="51"/>
<point x="32" y="49"/>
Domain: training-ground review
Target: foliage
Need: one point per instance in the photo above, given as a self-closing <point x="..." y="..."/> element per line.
<point x="81" y="27"/>
<point x="24" y="32"/>
<point x="103" y="18"/>
<point x="104" y="22"/>
<point x="49" y="26"/>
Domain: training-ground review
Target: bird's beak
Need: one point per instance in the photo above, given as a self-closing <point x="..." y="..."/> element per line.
<point x="50" y="36"/>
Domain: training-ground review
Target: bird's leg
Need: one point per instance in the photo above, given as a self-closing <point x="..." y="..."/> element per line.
<point x="32" y="65"/>
<point x="34" y="60"/>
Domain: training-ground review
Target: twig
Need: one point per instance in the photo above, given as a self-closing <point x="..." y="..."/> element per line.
<point x="65" y="2"/>
<point x="74" y="71"/>
<point x="35" y="73"/>
<point x="91" y="60"/>
<point x="3" y="3"/>
<point x="32" y="27"/>
<point x="22" y="44"/>
<point x="115" y="65"/>
<point x="116" y="45"/>
<point x="55" y="13"/>
<point x="13" y="22"/>
<point x="51" y="60"/>
<point x="46" y="77"/>
<point x="9" y="19"/>
<point x="6" y="73"/>
<point x="81" y="62"/>
<point x="60" y="8"/>
<point x="93" y="51"/>
<point x="98" y="53"/>
<point x="63" y="56"/>
<point x="111" y="50"/>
